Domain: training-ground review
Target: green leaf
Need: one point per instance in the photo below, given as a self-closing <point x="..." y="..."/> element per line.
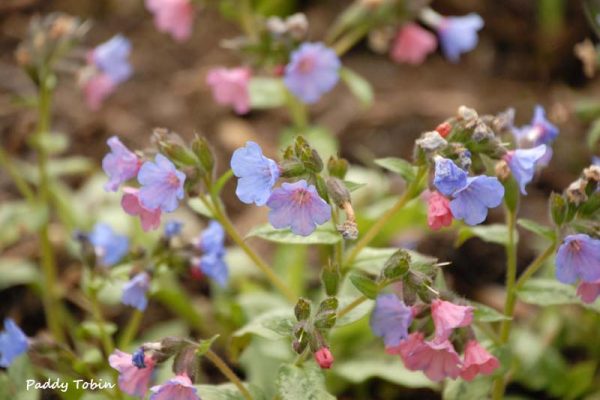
<point x="365" y="285"/>
<point x="587" y="109"/>
<point x="18" y="373"/>
<point x="198" y="206"/>
<point x="381" y="366"/>
<point x="324" y="234"/>
<point x="359" y="86"/>
<point x="540" y="230"/>
<point x="228" y="391"/>
<point x="70" y="166"/>
<point x="494" y="233"/>
<point x="549" y="292"/>
<point x="462" y="390"/>
<point x="352" y="186"/>
<point x="593" y="135"/>
<point x="398" y="166"/>
<point x="274" y="324"/>
<point x="266" y="93"/>
<point x="53" y="143"/>
<point x="356" y="314"/>
<point x="484" y="313"/>
<point x="301" y="383"/>
<point x="15" y="272"/>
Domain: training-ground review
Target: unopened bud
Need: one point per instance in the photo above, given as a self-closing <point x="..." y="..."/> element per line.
<point x="204" y="153"/>
<point x="330" y="276"/>
<point x="466" y="113"/>
<point x="576" y="191"/>
<point x="297" y="25"/>
<point x="592" y="173"/>
<point x="291" y="168"/>
<point x="302" y="309"/>
<point x="337" y="167"/>
<point x="444" y="129"/>
<point x="558" y="208"/>
<point x="482" y="132"/>
<point x="324" y="358"/>
<point x="431" y="141"/>
<point x="397" y="266"/>
<point x="502" y="170"/>
<point x="187" y="362"/>
<point x="338" y="192"/>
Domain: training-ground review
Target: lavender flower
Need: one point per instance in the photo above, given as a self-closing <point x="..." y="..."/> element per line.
<point x="257" y="174"/>
<point x="522" y="163"/>
<point x="161" y="184"/>
<point x="391" y="319"/>
<point x="121" y="164"/>
<point x="539" y="131"/>
<point x="313" y="70"/>
<point x="448" y="176"/>
<point x="180" y="388"/>
<point x="111" y="58"/>
<point x="13" y="343"/>
<point x="110" y="246"/>
<point x="212" y="239"/>
<point x="459" y="35"/>
<point x="471" y="203"/>
<point x="578" y="257"/>
<point x="298" y="206"/>
<point x="214" y="266"/>
<point x="134" y="292"/>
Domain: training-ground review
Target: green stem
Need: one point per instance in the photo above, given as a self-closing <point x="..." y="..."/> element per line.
<point x="229" y="374"/>
<point x="298" y="111"/>
<point x="48" y="260"/>
<point x="345" y="43"/>
<point x="222" y="217"/>
<point x="535" y="266"/>
<point x="357" y="302"/>
<point x="131" y="329"/>
<point x="511" y="296"/>
<point x="107" y="342"/>
<point x="408" y="195"/>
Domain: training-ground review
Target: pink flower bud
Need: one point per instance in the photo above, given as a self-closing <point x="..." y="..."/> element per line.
<point x="413" y="44"/>
<point x="438" y="211"/>
<point x="324" y="358"/>
<point x="477" y="360"/>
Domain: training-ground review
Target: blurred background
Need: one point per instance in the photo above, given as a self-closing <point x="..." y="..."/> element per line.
<point x="525" y="57"/>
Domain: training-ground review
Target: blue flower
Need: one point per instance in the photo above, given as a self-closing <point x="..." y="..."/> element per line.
<point x="578" y="257"/>
<point x="257" y="174"/>
<point x="448" y="176"/>
<point x="161" y="184"/>
<point x="522" y="163"/>
<point x="173" y="228"/>
<point x="459" y="35"/>
<point x="298" y="206"/>
<point x="138" y="358"/>
<point x="471" y="203"/>
<point x="111" y="58"/>
<point x="214" y="266"/>
<point x="13" y="343"/>
<point x="134" y="291"/>
<point x="539" y="131"/>
<point x="110" y="246"/>
<point x="391" y="319"/>
<point x="313" y="70"/>
<point x="212" y="239"/>
<point x="121" y="164"/>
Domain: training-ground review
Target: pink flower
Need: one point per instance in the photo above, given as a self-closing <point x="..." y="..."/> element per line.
<point x="588" y="291"/>
<point x="96" y="89"/>
<point x="438" y="211"/>
<point x="175" y="17"/>
<point x="413" y="44"/>
<point x="132" y="380"/>
<point x="324" y="358"/>
<point x="180" y="388"/>
<point x="131" y="205"/>
<point x="448" y="316"/>
<point x="438" y="360"/>
<point x="230" y="87"/>
<point x="477" y="360"/>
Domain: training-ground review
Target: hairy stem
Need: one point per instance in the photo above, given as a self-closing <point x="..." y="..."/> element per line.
<point x="409" y="194"/>
<point x="229" y="374"/>
<point x="357" y="302"/>
<point x="20" y="183"/>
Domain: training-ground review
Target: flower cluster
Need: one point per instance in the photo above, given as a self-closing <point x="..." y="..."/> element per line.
<point x="161" y="183"/>
<point x="107" y="67"/>
<point x="436" y="357"/>
<point x="296" y="205"/>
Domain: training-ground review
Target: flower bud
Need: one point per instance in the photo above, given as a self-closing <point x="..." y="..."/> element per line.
<point x="330" y="276"/>
<point x="291" y="168"/>
<point x="337" y="167"/>
<point x="187" y="362"/>
<point x="204" y="153"/>
<point x="502" y="170"/>
<point x="397" y="266"/>
<point x="576" y="191"/>
<point x="302" y="309"/>
<point x="468" y="114"/>
<point x="558" y="208"/>
<point x="444" y="129"/>
<point x="592" y="173"/>
<point x="431" y="141"/>
<point x="338" y="192"/>
<point x="324" y="358"/>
